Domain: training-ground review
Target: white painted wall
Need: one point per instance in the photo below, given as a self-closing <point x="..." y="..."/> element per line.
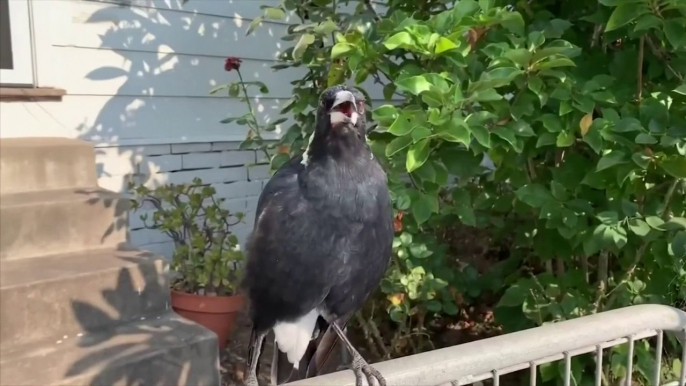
<point x="137" y="75"/>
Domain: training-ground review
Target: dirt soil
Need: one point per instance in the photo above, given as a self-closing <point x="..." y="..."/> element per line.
<point x="234" y="358"/>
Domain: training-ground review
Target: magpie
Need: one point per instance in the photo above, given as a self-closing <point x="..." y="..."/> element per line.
<point x="321" y="243"/>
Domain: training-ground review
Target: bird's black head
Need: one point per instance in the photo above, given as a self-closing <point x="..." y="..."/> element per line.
<point x="342" y="110"/>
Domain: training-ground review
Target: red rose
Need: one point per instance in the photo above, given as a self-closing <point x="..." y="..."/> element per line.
<point x="232" y="63"/>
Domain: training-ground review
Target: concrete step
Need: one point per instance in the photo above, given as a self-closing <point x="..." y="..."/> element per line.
<point x="79" y="293"/>
<point x="60" y="221"/>
<point x="35" y="164"/>
<point x="163" y="351"/>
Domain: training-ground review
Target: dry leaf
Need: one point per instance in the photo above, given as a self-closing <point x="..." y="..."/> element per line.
<point x="585" y="123"/>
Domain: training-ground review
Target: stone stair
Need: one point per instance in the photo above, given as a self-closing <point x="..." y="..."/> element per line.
<point x="78" y="306"/>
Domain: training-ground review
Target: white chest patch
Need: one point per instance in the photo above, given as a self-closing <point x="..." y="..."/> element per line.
<point x="292" y="338"/>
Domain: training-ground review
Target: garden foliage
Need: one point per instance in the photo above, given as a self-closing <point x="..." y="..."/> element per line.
<point x="580" y="106"/>
<point x="206" y="258"/>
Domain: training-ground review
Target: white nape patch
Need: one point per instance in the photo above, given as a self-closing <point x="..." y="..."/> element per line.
<point x="292" y="338"/>
<point x="306" y="155"/>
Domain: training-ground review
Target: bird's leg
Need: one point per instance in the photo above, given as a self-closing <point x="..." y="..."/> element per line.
<point x="359" y="365"/>
<point x="254" y="360"/>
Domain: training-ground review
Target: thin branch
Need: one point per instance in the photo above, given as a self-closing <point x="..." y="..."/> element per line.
<point x="370" y="8"/>
<point x="371" y="327"/>
<point x="668" y="199"/>
<point x="662" y="56"/>
<point x="627" y="276"/>
<point x="639" y="86"/>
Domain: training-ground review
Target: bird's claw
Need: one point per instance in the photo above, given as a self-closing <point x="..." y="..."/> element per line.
<point x="361" y="367"/>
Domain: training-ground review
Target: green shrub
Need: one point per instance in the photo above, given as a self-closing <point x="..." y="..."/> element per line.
<point x="207" y="259"/>
<point x="581" y="107"/>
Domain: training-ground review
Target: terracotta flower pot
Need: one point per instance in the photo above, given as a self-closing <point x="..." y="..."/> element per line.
<point x="216" y="313"/>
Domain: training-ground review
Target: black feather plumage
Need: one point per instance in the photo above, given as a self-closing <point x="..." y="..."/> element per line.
<point x="323" y="231"/>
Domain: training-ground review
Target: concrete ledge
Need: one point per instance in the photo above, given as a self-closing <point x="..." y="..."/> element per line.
<point x="36" y="164"/>
<point x="161" y="351"/>
<point x="39" y="223"/>
<point x="79" y="293"/>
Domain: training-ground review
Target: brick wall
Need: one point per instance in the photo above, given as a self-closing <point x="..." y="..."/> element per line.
<point x="237" y="175"/>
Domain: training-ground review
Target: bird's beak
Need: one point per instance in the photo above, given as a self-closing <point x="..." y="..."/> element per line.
<point x="343" y="97"/>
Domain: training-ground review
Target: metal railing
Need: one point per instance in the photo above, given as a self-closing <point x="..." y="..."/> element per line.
<point x="494" y="357"/>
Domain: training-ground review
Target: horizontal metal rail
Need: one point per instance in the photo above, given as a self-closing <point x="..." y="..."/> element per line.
<point x="494" y="357"/>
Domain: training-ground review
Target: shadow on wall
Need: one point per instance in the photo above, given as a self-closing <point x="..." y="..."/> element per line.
<point x="131" y="337"/>
<point x="158" y="61"/>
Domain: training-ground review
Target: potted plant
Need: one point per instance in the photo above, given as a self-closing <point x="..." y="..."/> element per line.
<point x="206" y="264"/>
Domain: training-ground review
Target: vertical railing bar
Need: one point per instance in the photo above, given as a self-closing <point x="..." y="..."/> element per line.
<point x="682" y="377"/>
<point x="496" y="378"/>
<point x="630" y="361"/>
<point x="599" y="365"/>
<point x="533" y="373"/>
<point x="658" y="358"/>
<point x="568" y="368"/>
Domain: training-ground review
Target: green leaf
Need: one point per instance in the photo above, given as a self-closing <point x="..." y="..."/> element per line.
<point x="414" y="84"/>
<point x="234" y="89"/>
<point x="420" y="132"/>
<point x="681" y="89"/>
<point x="341" y="49"/>
<point x="675" y="32"/>
<point x="645" y="139"/>
<point x="400" y="40"/>
<point x="554" y="63"/>
<point x="594" y="139"/>
<point x="488" y="95"/>
<point x="629" y="208"/>
<point x="450" y="308"/>
<point x="486" y="5"/>
<point x="461" y="163"/>
<point x="534" y="195"/>
<point x="624" y="14"/>
<point x="385" y="115"/>
<point x="565" y="139"/>
<point x="423" y="206"/>
<point x="546" y="139"/>
<point x="505" y="133"/>
<point x="627" y="125"/>
<point x="676" y="223"/>
<point x="521" y="128"/>
<point x="253" y="24"/>
<point x="639" y="227"/>
<point x="398" y="144"/>
<point x="514" y="296"/>
<point x="433" y="306"/>
<point x="443" y="45"/>
<point x="301" y="46"/>
<point x="456" y="132"/>
<point x="482" y="135"/>
<point x="608" y="217"/>
<point x="655" y="222"/>
<point x="641" y="160"/>
<point x="559" y="191"/>
<point x="551" y="122"/>
<point x="463" y="207"/>
<point x="611" y="159"/>
<point x="417" y="155"/>
<point x="274" y="13"/>
<point x="402" y="125"/>
<point x="675" y="165"/>
<point x="520" y="57"/>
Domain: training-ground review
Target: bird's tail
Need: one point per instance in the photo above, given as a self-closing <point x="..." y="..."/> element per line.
<point x="321" y="357"/>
